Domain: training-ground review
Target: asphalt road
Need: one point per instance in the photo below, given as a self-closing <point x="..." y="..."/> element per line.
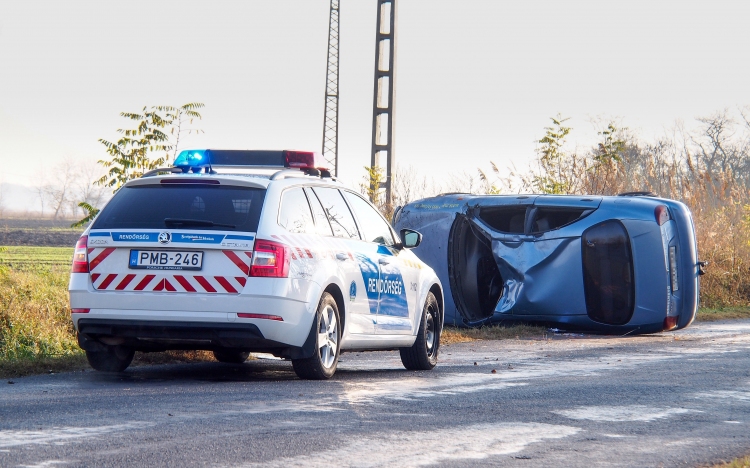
<point x="674" y="399"/>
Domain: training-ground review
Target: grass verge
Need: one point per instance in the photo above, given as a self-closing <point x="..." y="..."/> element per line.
<point x="723" y="313"/>
<point x="34" y="365"/>
<point x="743" y="462"/>
<point x="42" y="365"/>
<point x="452" y="335"/>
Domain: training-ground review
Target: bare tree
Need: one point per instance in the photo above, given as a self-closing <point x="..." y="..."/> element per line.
<point x="85" y="189"/>
<point x="58" y="189"/>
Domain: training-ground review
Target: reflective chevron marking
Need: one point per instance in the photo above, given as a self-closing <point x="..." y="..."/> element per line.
<point x="144" y="282"/>
<point x="124" y="283"/>
<point x="166" y="281"/>
<point x="244" y="267"/>
<point x="94" y="262"/>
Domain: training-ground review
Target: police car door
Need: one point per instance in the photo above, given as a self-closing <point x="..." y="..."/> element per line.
<point x="394" y="287"/>
<point x="330" y="208"/>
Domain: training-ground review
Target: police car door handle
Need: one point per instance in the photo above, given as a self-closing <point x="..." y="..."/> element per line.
<point x="384" y="261"/>
<point x="341" y="256"/>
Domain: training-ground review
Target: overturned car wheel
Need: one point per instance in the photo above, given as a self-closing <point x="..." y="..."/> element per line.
<point x="113" y="359"/>
<point x="423" y="354"/>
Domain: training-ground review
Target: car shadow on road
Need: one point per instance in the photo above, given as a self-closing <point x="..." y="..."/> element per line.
<point x="254" y="370"/>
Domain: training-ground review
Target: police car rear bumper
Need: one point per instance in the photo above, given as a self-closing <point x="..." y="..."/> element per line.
<point x="148" y="335"/>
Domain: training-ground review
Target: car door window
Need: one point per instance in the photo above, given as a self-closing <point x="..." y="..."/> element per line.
<point x="337" y="212"/>
<point x="295" y="215"/>
<point x="509" y="219"/>
<point x="322" y="226"/>
<point x="374" y="228"/>
<point x="551" y="218"/>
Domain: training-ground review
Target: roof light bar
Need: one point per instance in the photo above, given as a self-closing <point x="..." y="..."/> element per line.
<point x="305" y="160"/>
<point x="197" y="159"/>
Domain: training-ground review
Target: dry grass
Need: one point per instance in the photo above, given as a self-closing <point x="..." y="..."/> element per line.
<point x="34" y="315"/>
<point x="452" y="335"/>
<point x="743" y="462"/>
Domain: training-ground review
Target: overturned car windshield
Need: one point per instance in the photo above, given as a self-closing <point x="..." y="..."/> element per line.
<point x="194" y="206"/>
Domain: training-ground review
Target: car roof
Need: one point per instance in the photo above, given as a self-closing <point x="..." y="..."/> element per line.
<point x="255" y="178"/>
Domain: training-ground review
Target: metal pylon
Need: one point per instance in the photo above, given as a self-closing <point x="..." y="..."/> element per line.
<point x="383" y="112"/>
<point x="331" y="112"/>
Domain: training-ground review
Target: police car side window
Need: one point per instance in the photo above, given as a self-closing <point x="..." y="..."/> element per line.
<point x="337" y="212"/>
<point x="295" y="215"/>
<point x="322" y="226"/>
<point x="372" y="225"/>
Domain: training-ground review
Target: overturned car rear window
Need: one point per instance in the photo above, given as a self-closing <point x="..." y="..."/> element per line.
<point x="608" y="273"/>
<point x="177" y="206"/>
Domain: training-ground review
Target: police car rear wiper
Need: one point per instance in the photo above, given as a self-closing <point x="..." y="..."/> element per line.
<point x="177" y="222"/>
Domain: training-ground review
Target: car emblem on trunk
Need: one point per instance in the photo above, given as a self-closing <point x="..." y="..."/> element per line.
<point x="165" y="238"/>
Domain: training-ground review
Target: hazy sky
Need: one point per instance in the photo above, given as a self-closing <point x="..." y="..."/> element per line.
<point x="477" y="80"/>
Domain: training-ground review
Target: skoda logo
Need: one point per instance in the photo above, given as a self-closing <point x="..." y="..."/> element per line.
<point x="165" y="238"/>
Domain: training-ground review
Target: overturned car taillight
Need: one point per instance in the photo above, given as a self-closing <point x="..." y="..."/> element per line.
<point x="661" y="213"/>
<point x="270" y="260"/>
<point x="80" y="256"/>
<point x="670" y="323"/>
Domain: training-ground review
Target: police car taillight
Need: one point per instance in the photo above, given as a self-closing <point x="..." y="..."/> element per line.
<point x="270" y="260"/>
<point x="80" y="256"/>
<point x="304" y="160"/>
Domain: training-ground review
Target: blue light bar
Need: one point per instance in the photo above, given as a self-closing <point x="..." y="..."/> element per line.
<point x="193" y="158"/>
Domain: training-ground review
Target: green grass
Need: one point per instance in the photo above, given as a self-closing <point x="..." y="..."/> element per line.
<point x="25" y="258"/>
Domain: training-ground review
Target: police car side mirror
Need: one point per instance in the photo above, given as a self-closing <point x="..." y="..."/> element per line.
<point x="410" y="238"/>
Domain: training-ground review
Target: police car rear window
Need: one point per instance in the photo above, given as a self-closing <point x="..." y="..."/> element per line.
<point x="206" y="207"/>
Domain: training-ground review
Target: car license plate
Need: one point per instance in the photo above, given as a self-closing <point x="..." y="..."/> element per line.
<point x="165" y="260"/>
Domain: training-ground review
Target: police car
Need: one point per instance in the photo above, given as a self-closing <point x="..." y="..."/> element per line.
<point x="250" y="251"/>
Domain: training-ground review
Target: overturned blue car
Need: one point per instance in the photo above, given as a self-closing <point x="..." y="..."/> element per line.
<point x="609" y="264"/>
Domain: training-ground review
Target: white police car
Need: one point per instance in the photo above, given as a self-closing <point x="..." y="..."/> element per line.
<point x="242" y="251"/>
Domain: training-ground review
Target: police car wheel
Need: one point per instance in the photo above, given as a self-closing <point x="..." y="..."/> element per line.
<point x="322" y="364"/>
<point x="231" y="357"/>
<point x="114" y="359"/>
<point x="423" y="354"/>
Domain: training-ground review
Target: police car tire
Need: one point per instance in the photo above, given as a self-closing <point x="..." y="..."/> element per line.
<point x="114" y="359"/>
<point x="423" y="354"/>
<point x="313" y="368"/>
<point x="231" y="357"/>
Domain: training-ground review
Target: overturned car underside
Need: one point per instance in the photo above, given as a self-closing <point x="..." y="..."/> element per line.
<point x="607" y="264"/>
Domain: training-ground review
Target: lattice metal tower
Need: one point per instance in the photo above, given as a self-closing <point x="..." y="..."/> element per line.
<point x="383" y="113"/>
<point x="331" y="113"/>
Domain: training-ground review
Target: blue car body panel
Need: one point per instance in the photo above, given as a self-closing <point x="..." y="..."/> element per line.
<point x="599" y="263"/>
